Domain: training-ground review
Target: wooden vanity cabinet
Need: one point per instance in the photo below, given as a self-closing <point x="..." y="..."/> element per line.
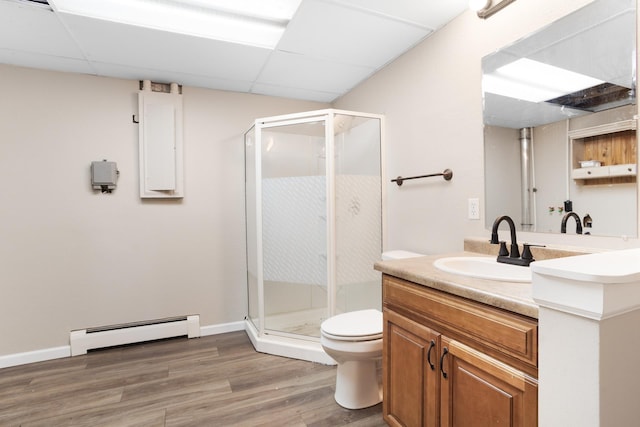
<point x="480" y="391"/>
<point x="448" y="361"/>
<point x="410" y="372"/>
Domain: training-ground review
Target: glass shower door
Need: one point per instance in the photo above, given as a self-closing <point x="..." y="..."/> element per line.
<point x="294" y="227"/>
<point x="358" y="211"/>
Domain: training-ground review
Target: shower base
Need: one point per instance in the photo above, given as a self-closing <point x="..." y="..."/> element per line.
<point x="301" y="322"/>
<point x="288" y="344"/>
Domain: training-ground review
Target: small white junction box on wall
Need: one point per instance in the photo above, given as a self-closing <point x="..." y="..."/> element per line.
<point x="104" y="176"/>
<point x="160" y="142"/>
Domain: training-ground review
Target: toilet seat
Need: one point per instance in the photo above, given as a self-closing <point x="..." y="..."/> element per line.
<point x="352" y="338"/>
<point x="362" y="325"/>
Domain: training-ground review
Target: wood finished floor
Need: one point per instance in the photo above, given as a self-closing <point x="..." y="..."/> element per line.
<point x="210" y="381"/>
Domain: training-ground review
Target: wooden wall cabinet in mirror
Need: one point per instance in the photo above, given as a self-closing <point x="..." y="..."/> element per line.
<point x="604" y="154"/>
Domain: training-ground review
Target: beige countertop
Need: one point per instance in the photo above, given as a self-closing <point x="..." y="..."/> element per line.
<point x="511" y="296"/>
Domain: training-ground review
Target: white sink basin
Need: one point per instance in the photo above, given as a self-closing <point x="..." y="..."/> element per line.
<point x="484" y="268"/>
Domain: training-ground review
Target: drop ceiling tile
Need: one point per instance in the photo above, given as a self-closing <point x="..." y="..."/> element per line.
<point x="569" y="52"/>
<point x="187" y="79"/>
<point x="428" y="13"/>
<point x="298" y="71"/>
<point x="294" y="93"/>
<point x="46" y="62"/>
<point x="330" y="46"/>
<point x="137" y="47"/>
<point x="331" y="31"/>
<point x="514" y="113"/>
<point x="34" y="29"/>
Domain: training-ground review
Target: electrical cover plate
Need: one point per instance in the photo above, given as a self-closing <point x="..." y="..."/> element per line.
<point x="104" y="174"/>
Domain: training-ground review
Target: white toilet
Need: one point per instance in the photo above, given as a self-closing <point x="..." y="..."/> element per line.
<point x="354" y="341"/>
<point x="399" y="254"/>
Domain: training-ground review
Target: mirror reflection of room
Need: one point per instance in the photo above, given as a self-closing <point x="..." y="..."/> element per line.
<point x="560" y="125"/>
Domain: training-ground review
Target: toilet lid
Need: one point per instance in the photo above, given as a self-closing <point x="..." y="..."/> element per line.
<point x="362" y="324"/>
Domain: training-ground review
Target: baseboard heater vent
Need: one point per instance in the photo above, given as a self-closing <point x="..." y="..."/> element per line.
<point x="128" y="333"/>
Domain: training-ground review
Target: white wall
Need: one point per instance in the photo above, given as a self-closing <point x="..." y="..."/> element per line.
<point x="431" y="97"/>
<point x="550" y="151"/>
<point x="502" y="159"/>
<point x="73" y="258"/>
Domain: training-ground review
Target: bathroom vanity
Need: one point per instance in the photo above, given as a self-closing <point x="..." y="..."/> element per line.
<point x="457" y="348"/>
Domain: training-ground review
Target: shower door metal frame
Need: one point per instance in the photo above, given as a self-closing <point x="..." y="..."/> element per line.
<point x="328" y="117"/>
<point x="275" y="122"/>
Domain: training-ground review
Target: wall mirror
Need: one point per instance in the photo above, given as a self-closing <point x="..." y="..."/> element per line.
<point x="560" y="124"/>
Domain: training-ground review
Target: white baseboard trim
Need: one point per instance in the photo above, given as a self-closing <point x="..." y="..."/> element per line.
<point x="222" y="328"/>
<point x="35" y="356"/>
<point x="42" y="355"/>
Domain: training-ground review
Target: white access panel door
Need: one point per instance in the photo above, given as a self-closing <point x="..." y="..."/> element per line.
<point x="160" y="144"/>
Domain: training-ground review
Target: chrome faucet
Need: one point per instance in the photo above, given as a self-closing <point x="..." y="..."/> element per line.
<point x="512" y="257"/>
<point x="563" y="226"/>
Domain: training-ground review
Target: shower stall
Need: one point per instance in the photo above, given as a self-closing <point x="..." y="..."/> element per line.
<point x="314" y="225"/>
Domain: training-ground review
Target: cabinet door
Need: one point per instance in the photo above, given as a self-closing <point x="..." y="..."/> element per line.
<point x="477" y="390"/>
<point x="410" y="372"/>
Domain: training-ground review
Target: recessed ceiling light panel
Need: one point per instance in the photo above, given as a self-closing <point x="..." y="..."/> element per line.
<point x="244" y="22"/>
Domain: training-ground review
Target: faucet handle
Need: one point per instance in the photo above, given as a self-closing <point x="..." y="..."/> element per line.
<point x="526" y="252"/>
<point x="515" y="251"/>
<point x="503" y="249"/>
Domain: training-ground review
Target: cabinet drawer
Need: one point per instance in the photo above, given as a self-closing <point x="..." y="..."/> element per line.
<point x="605" y="171"/>
<point x="622" y="170"/>
<point x="588" y="173"/>
<point x="502" y="334"/>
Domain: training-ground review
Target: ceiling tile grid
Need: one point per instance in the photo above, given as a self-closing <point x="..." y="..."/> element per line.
<point x="328" y="47"/>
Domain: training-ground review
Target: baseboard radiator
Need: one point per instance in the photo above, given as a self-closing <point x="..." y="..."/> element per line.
<point x="128" y="333"/>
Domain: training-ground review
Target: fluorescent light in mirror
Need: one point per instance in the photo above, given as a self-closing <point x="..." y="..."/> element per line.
<point x="230" y="21"/>
<point x="535" y="81"/>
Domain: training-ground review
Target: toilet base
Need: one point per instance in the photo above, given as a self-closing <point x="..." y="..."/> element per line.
<point x="357" y="384"/>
